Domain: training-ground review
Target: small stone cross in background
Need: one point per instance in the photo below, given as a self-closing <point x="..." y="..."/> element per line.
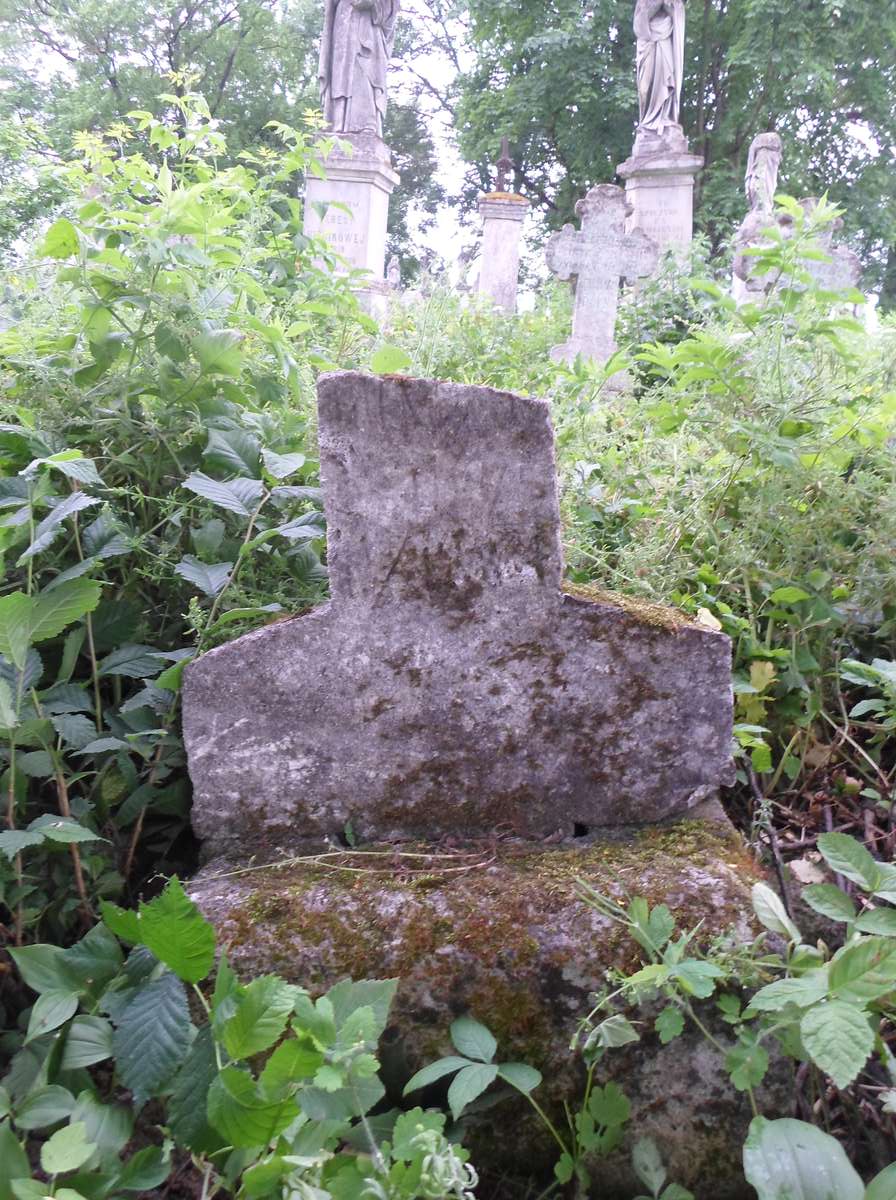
<point x="598" y="257"/>
<point x="505" y="166"/>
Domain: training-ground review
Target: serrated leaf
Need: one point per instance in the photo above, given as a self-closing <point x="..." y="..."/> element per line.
<point x="839" y="1039"/>
<point x="210" y="578"/>
<point x="610" y="1106"/>
<point x="802" y="990"/>
<point x="348" y="996"/>
<point x="131" y="662"/>
<point x="830" y="901"/>
<point x="51" y="526"/>
<point x="219" y="353"/>
<point x="14" y="841"/>
<point x="123" y="922"/>
<point x="29" y="619"/>
<point x="224" y="495"/>
<point x="173" y="928"/>
<point x="472" y="1039"/>
<point x="294" y="1060"/>
<point x="234" y="450"/>
<point x="66" y="1150"/>
<point x="63" y="830"/>
<point x="669" y="1024"/>
<point x="260" y="1017"/>
<point x="790" y="1158"/>
<point x="152" y="1036"/>
<point x="746" y="1063"/>
<point x="849" y="858"/>
<point x="241" y="1115"/>
<point x="94" y="961"/>
<point x="864" y="971"/>
<point x="60" y="240"/>
<point x="105" y="538"/>
<point x="187" y="1115"/>
<point x="75" y="729"/>
<point x="770" y="910"/>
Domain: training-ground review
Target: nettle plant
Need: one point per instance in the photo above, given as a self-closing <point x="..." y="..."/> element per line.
<point x="826" y="1009"/>
<point x="157" y="486"/>
<point x="271" y="1092"/>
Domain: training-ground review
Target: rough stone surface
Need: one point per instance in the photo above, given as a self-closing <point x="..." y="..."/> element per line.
<point x="659" y="187"/>
<point x="450" y="686"/>
<point x="598" y="257"/>
<point x="502" y="225"/>
<point x="361" y="179"/>
<point x="509" y="941"/>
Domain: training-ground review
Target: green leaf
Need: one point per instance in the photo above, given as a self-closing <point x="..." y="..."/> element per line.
<point x="187" y="1116"/>
<point x="66" y="1150"/>
<point x="109" y="1127"/>
<point x="262" y="1011"/>
<point x="210" y="578"/>
<point x="234" y="450"/>
<point x="389" y="360"/>
<point x="235" y="495"/>
<point x="864" y="971"/>
<point x="472" y="1039"/>
<point x="648" y="1164"/>
<point x="174" y="929"/>
<point x="847" y="857"/>
<point x="241" y="1115"/>
<point x="63" y="829"/>
<point x="60" y="240"/>
<point x="609" y="1106"/>
<point x="145" y="1170"/>
<point x="791" y="1159"/>
<point x="14" y="1162"/>
<point x="50" y="527"/>
<point x="348" y="997"/>
<point x="746" y="1063"/>
<point x="696" y="977"/>
<point x="94" y="961"/>
<point x="770" y="910"/>
<point x="51" y="1010"/>
<point x="669" y="1024"/>
<point x="47" y="1106"/>
<point x="883" y="1186"/>
<point x="802" y="990"/>
<point x="88" y="1040"/>
<point x="219" y="353"/>
<point x="839" y="1039"/>
<point x="293" y="1061"/>
<point x="152" y="1036"/>
<point x="789" y="595"/>
<point x="131" y="662"/>
<point x="468" y="1084"/>
<point x="44" y="968"/>
<point x="520" y="1076"/>
<point x="25" y="620"/>
<point x="830" y="901"/>
<point x="281" y="466"/>
<point x="434" y="1072"/>
<point x="123" y="922"/>
<point x="14" y="841"/>
<point x="878" y="920"/>
<point x="168" y="343"/>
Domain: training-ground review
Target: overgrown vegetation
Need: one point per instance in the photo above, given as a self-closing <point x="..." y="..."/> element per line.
<point x="159" y="494"/>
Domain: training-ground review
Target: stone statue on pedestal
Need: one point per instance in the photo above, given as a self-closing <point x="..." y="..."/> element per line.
<point x="659" y="28"/>
<point x="763" y="165"/>
<point x="354" y="58"/>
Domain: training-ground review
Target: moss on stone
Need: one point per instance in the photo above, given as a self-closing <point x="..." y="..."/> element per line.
<point x="660" y="616"/>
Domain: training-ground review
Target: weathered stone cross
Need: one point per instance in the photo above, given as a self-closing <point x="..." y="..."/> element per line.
<point x="450" y="686"/>
<point x="598" y="257"/>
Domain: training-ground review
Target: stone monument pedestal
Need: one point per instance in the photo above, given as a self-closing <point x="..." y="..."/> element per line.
<point x="659" y="187"/>
<point x="359" y="177"/>
<point x="502" y="215"/>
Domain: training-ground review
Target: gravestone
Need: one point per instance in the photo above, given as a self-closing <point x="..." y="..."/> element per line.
<point x="598" y="257"/>
<point x="450" y="687"/>
<point x="503" y="213"/>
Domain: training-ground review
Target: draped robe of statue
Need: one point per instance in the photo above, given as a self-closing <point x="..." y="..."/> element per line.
<point x="354" y="58"/>
<point x="763" y="164"/>
<point x="659" y="28"/>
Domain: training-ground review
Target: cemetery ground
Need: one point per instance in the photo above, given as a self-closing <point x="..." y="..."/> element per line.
<point x="162" y="496"/>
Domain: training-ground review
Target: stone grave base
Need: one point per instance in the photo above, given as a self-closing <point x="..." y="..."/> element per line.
<point x="508" y="941"/>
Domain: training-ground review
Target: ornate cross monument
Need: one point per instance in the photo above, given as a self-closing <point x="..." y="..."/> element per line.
<point x="450" y="686"/>
<point x="598" y="257"/>
<point x="502" y="213"/>
<point x="659" y="176"/>
<point x="356" y="45"/>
